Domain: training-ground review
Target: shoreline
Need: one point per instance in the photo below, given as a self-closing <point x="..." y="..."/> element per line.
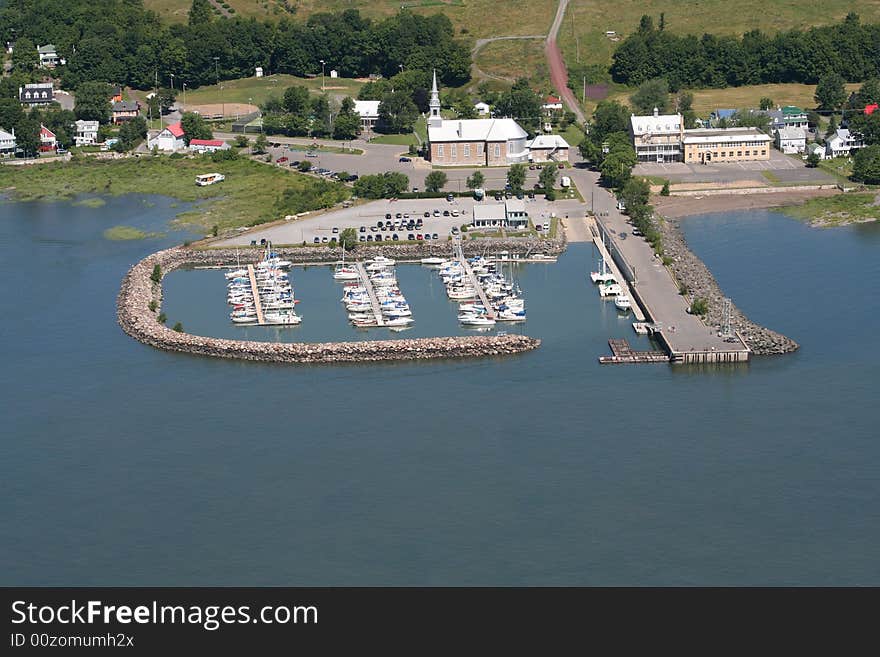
<point x="676" y="207"/>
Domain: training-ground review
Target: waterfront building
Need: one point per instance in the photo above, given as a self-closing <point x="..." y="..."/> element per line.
<point x="207" y="145"/>
<point x="789" y="116"/>
<point x="843" y="143"/>
<point x="169" y="139"/>
<point x="475" y="142"/>
<point x="49" y="56"/>
<point x="124" y="110"/>
<point x="703" y="145"/>
<point x="48" y="142"/>
<point x="791" y="140"/>
<point x="7" y="143"/>
<point x="511" y="214"/>
<point x="657" y="138"/>
<point x="86" y="133"/>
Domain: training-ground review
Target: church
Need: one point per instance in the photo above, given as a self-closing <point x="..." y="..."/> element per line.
<point x="473" y="142"/>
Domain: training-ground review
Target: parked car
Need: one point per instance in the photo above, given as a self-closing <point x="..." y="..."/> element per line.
<point x="61" y="151"/>
<point x="325" y="239"/>
<point x="411" y="237"/>
<point x="519" y="195"/>
<point x="398" y="216"/>
<point x="404" y="159"/>
<point x="498" y="196"/>
<point x="363" y="229"/>
<point x="546" y="226"/>
<point x="317" y="240"/>
<point x="637" y="232"/>
<point x="335" y="229"/>
<point x="362" y="238"/>
<point x="352" y="177"/>
<point x="435" y="237"/>
<point x="380" y="223"/>
<point x="532" y="167"/>
<point x="454" y="230"/>
<point x="394" y="237"/>
<point x="436" y="213"/>
<point x="415" y="190"/>
<point x="281" y="160"/>
<point x="378" y="238"/>
<point x="449" y="197"/>
<point x="446" y="213"/>
<point x="455" y="213"/>
<point x="369" y="238"/>
<point x="311" y="154"/>
<point x="427" y="236"/>
<point x="388" y="215"/>
<point x="427" y="214"/>
<point x="418" y="237"/>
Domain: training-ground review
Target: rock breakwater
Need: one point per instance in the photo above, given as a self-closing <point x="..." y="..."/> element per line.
<point x="691" y="272"/>
<point x="140" y="322"/>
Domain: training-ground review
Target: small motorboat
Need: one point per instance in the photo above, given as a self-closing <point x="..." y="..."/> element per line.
<point x="610" y="290"/>
<point x="622" y="302"/>
<point x="436" y="262"/>
<point x="399" y="321"/>
<point x="475" y="320"/>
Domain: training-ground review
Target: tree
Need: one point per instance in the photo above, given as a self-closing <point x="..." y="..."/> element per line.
<point x="516" y="176"/>
<point x="397" y="113"/>
<point x="241" y="141"/>
<point x="521" y="103"/>
<point x="651" y="94"/>
<point x="590" y="151"/>
<point x="765" y="103"/>
<point x="348" y="121"/>
<point x="547" y="177"/>
<point x="869" y="93"/>
<point x="684" y="105"/>
<point x="746" y="119"/>
<point x="166" y="98"/>
<point x="131" y="133"/>
<point x="610" y="116"/>
<point x="178" y="327"/>
<point x="200" y="12"/>
<point x="27" y="136"/>
<point x="261" y="143"/>
<point x="93" y="102"/>
<point x="304" y="166"/>
<point x="812" y="160"/>
<point x="866" y="165"/>
<point x="664" y="191"/>
<point x="320" y="125"/>
<point x="635" y="194"/>
<point x="348" y="239"/>
<point x="383" y="185"/>
<point x="476" y="180"/>
<point x="465" y="109"/>
<point x="156" y="276"/>
<point x="435" y="181"/>
<point x="195" y="127"/>
<point x="832" y="126"/>
<point x="24" y="56"/>
<point x="830" y="92"/>
<point x="616" y="168"/>
<point x="295" y="100"/>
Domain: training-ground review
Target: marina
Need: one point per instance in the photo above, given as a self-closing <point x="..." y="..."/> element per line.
<point x="373" y="297"/>
<point x="261" y="294"/>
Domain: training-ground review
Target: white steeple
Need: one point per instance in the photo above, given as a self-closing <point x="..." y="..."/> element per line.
<point x="435" y="120"/>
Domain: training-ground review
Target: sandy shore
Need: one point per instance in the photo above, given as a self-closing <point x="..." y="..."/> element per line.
<point x="683" y="206"/>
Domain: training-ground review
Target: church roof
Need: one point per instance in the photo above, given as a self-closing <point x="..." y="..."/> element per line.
<point x="476" y="130"/>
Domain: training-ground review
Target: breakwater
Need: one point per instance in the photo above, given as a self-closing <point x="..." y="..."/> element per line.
<point x="691" y="272"/>
<point x="138" y="320"/>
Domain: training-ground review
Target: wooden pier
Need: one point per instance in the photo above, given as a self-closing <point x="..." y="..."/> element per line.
<point x="623" y="353"/>
<point x="374" y="300"/>
<point x="475" y="282"/>
<point x="261" y="320"/>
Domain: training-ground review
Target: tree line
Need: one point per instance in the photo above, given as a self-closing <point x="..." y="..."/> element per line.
<point x="849" y="49"/>
<point x="120" y="42"/>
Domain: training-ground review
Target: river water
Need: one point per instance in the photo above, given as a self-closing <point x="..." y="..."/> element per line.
<point x="124" y="465"/>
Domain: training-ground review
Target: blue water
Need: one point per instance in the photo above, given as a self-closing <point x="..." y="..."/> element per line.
<point x="126" y="465"/>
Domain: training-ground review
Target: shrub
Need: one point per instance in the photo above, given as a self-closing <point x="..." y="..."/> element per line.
<point x="176" y="156"/>
<point x="215" y="230"/>
<point x="241" y="141"/>
<point x="156" y="276"/>
<point x="682" y="289"/>
<point x="667" y="261"/>
<point x="152" y="306"/>
<point x="699" y="306"/>
<point x="162" y="318"/>
<point x="665" y="190"/>
<point x="178" y="327"/>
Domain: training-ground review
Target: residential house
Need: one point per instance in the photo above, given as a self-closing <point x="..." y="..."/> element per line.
<point x="207" y="145"/>
<point x="818" y="149"/>
<point x="704" y="145"/>
<point x="791" y="140"/>
<point x="871" y="108"/>
<point x="474" y="142"/>
<point x="369" y="112"/>
<point x="7" y="143"/>
<point x="258" y="72"/>
<point x="546" y="148"/>
<point x="843" y="143"/>
<point x="482" y="108"/>
<point x="86" y="133"/>
<point x="510" y="214"/>
<point x="552" y="104"/>
<point x="124" y="110"/>
<point x="48" y="143"/>
<point x="49" y="56"/>
<point x="40" y="93"/>
<point x="116" y="94"/>
<point x="788" y="117"/>
<point x="657" y="138"/>
<point x="169" y="139"/>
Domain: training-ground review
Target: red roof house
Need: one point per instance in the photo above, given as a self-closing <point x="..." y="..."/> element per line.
<point x="47" y="139"/>
<point x="870" y="109"/>
<point x="207" y="145"/>
<point x="170" y="138"/>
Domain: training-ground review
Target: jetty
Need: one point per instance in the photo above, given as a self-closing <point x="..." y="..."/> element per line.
<point x="612" y="267"/>
<point x="258" y="306"/>
<point x="623" y="353"/>
<point x="371" y="292"/>
<point x="475" y="282"/>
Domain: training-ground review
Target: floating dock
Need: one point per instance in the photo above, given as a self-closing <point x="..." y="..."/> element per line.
<point x="374" y="300"/>
<point x="258" y="306"/>
<point x="623" y="353"/>
<point x="490" y="309"/>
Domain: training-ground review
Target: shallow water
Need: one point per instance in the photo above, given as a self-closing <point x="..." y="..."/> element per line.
<point x="126" y="465"/>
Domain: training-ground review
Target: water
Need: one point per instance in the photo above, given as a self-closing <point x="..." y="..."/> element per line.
<point x="126" y="465"/>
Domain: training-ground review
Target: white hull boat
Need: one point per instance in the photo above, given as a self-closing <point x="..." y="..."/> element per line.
<point x="622" y="302"/>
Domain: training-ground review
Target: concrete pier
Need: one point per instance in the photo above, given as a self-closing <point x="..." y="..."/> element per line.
<point x="371" y="292"/>
<point x="258" y="306"/>
<point x="609" y="262"/>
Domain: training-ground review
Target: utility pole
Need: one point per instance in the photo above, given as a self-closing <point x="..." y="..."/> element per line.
<point x="322" y="74"/>
<point x="184" y="96"/>
<point x="584" y="101"/>
<point x="172" y="81"/>
<point x="578" y="41"/>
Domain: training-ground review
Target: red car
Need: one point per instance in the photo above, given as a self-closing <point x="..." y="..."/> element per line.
<point x="281" y="160"/>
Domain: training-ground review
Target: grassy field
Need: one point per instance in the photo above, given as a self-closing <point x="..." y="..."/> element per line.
<point x="176" y="11"/>
<point x="588" y="20"/>
<point x="256" y="90"/>
<point x="252" y="192"/>
<point x="515" y="59"/>
<point x="841" y="167"/>
<point x="838" y="210"/>
<point x="401" y="140"/>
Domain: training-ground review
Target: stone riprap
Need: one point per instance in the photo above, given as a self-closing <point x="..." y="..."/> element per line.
<point x="690" y="271"/>
<point x="137" y="320"/>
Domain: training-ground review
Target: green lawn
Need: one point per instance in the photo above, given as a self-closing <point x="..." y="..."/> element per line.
<point x="841" y="167"/>
<point x="255" y="91"/>
<point x="252" y="192"/>
<point x="401" y="140"/>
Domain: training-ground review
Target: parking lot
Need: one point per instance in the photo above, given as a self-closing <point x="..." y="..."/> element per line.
<point x="784" y="167"/>
<point x="442" y="217"/>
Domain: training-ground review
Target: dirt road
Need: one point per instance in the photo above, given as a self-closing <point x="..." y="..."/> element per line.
<point x="558" y="72"/>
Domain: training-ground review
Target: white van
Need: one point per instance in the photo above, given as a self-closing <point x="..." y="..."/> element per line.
<point x="565" y="181"/>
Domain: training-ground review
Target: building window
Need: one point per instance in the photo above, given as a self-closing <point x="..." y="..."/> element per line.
<point x="763" y="152"/>
<point x="497" y="150"/>
<point x="739" y="153"/>
<point x="479" y="149"/>
<point x="439" y="150"/>
<point x="467" y="150"/>
<point x="454" y="151"/>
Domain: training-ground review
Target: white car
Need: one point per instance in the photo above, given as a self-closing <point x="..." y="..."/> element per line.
<point x="546" y="226"/>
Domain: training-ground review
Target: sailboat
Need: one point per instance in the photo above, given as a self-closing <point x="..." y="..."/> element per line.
<point x="602" y="276"/>
<point x="345" y="272"/>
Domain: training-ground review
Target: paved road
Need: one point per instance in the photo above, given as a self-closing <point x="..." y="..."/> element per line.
<point x="558" y="72"/>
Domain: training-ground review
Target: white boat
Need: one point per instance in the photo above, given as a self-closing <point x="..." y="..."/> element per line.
<point x="622" y="302"/>
<point x="432" y="261"/>
<point x="610" y="290"/>
<point x="282" y="319"/>
<point x="245" y="319"/>
<point x="399" y="321"/>
<point x="475" y="320"/>
<point x="345" y="273"/>
<point x="382" y="260"/>
<point x="511" y="316"/>
<point x="603" y="276"/>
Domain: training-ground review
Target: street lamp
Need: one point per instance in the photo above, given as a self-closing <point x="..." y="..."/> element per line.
<point x="322" y="74"/>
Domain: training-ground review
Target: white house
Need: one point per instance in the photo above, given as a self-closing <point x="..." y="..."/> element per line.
<point x="86" y="133"/>
<point x="552" y="104"/>
<point x="207" y="145"/>
<point x="843" y="143"/>
<point x="7" y="143"/>
<point x="815" y="148"/>
<point x="658" y="137"/>
<point x="545" y="148"/>
<point x="791" y="140"/>
<point x="511" y="214"/>
<point x="49" y="56"/>
<point x="482" y="108"/>
<point x="369" y="112"/>
<point x="258" y="72"/>
<point x="169" y="139"/>
<point x="334" y="73"/>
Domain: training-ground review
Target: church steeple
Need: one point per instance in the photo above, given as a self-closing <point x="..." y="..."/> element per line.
<point x="435" y="120"/>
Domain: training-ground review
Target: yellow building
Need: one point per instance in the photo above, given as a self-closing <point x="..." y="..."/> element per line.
<point x="703" y="145"/>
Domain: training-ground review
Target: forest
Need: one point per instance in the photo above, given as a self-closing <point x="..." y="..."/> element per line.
<point x="119" y="42"/>
<point x="849" y="49"/>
